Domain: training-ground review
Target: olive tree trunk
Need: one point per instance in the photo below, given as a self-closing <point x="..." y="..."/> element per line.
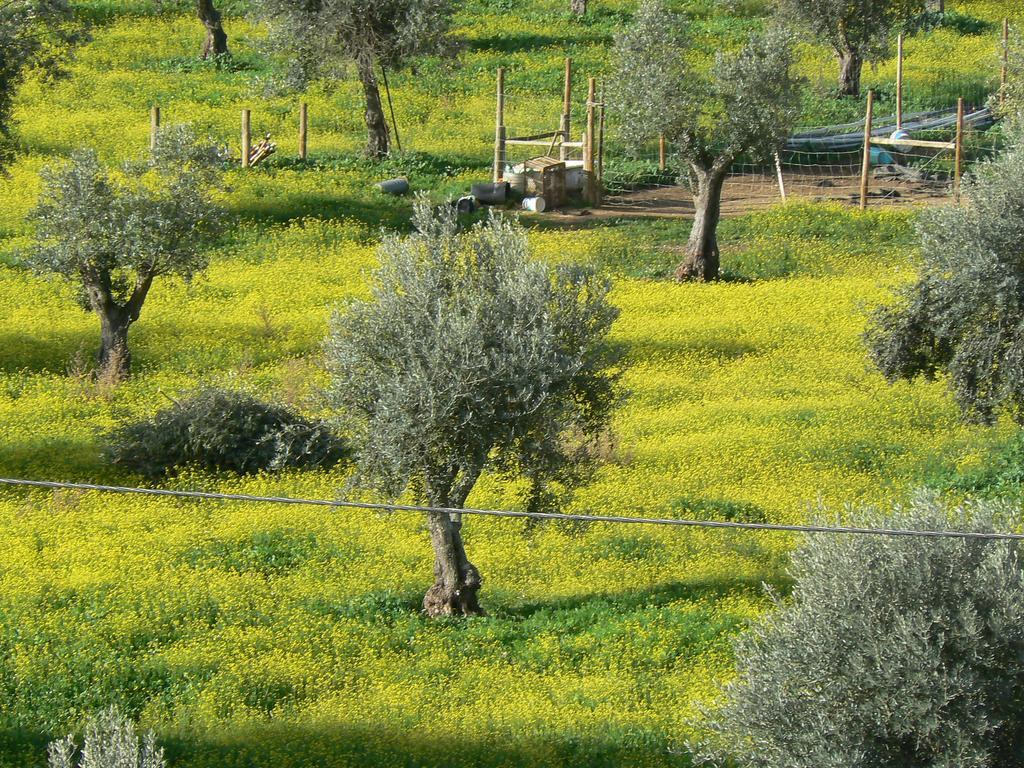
<point x="114" y="359"/>
<point x="579" y="7"/>
<point x="851" y="65"/>
<point x="378" y="141"/>
<point x="701" y="260"/>
<point x="456" y="579"/>
<point x="216" y="43"/>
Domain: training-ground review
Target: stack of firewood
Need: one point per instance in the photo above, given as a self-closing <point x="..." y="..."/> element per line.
<point x="262" y="150"/>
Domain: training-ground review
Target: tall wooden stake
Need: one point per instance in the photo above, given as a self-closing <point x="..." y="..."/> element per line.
<point x="593" y="192"/>
<point x="246" y="139"/>
<point x="1005" y="76"/>
<point x="565" y="126"/>
<point x="154" y="126"/>
<point x="600" y="145"/>
<point x="899" y="82"/>
<point x="865" y="172"/>
<point x="499" y="129"/>
<point x="303" y="129"/>
<point x="782" y="179"/>
<point x="958" y="162"/>
<point x="661" y="152"/>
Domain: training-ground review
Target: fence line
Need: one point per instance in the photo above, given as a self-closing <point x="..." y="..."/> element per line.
<point x="382" y="507"/>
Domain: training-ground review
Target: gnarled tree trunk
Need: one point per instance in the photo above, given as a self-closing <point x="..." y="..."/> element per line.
<point x="851" y="65"/>
<point x="115" y="360"/>
<point x="216" y="43"/>
<point x="456" y="580"/>
<point x="378" y="140"/>
<point x="702" y="256"/>
<point x="579" y="7"/>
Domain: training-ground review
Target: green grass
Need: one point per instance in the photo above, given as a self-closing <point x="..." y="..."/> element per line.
<point x="249" y="635"/>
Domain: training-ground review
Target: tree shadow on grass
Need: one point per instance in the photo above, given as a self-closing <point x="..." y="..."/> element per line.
<point x="53" y="353"/>
<point x="633" y="599"/>
<point x="338" y="744"/>
<point x="355" y="745"/>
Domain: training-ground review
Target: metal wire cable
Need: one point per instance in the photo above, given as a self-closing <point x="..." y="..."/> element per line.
<point x="510" y="513"/>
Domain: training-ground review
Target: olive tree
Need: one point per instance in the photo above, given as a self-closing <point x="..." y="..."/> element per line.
<point x="741" y="106"/>
<point x="216" y="40"/>
<point x="469" y="356"/>
<point x="320" y="39"/>
<point x="114" y="233"/>
<point x="857" y="30"/>
<point x="891" y="651"/>
<point x="35" y="36"/>
<point x="964" y="314"/>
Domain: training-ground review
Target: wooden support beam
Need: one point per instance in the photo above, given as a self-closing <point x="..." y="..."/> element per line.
<point x="499" y="128"/>
<point x="865" y="172"/>
<point x="246" y="138"/>
<point x="532" y="143"/>
<point x="303" y="129"/>
<point x="661" y="152"/>
<point x="899" y="82"/>
<point x="565" y="126"/>
<point x="958" y="163"/>
<point x="897" y="143"/>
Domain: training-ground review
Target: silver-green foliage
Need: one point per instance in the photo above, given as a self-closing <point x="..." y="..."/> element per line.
<point x="322" y="39"/>
<point x="470" y="354"/>
<point x="111" y="230"/>
<point x="111" y="741"/>
<point x="964" y="315"/>
<point x="896" y="652"/>
<point x="744" y="104"/>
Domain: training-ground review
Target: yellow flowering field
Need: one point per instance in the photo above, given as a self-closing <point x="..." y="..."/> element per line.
<point x="251" y="635"/>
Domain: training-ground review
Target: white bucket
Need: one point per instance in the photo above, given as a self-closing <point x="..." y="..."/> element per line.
<point x="534" y="204"/>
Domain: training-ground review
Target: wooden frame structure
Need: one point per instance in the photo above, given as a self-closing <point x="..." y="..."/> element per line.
<point x="956" y="147"/>
<point x="591" y="145"/>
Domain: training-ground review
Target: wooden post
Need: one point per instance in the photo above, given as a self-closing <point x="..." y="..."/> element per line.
<point x="246" y="139"/>
<point x="866" y="167"/>
<point x="499" y="129"/>
<point x="600" y="146"/>
<point x="592" y="191"/>
<point x="303" y="129"/>
<point x="899" y="82"/>
<point x="958" y="161"/>
<point x="661" y="152"/>
<point x="154" y="126"/>
<point x="565" y="126"/>
<point x="782" y="180"/>
<point x="1005" y="76"/>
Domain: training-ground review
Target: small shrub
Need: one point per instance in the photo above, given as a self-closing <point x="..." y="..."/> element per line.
<point x="110" y="742"/>
<point x="893" y="651"/>
<point x="224" y="431"/>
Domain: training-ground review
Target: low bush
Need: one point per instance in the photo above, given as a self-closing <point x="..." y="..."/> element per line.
<point x="111" y="741"/>
<point x="894" y="651"/>
<point x="220" y="430"/>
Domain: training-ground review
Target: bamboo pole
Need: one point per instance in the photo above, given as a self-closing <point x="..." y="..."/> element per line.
<point x="565" y="127"/>
<point x="899" y="82"/>
<point x="661" y="152"/>
<point x="866" y="167"/>
<point x="246" y="138"/>
<point x="1005" y="75"/>
<point x="154" y="125"/>
<point x="499" y="128"/>
<point x="303" y="129"/>
<point x="958" y="162"/>
<point x="391" y="107"/>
